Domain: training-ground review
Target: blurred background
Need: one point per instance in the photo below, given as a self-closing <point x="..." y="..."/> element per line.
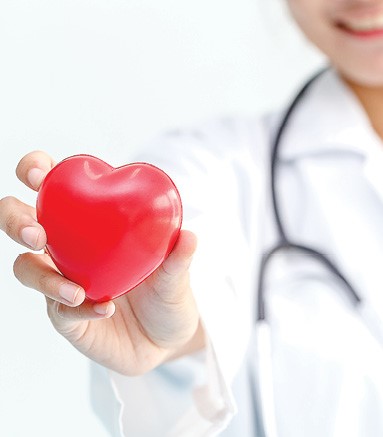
<point x="103" y="77"/>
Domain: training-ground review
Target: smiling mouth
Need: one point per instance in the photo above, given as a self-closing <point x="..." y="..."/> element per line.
<point x="367" y="26"/>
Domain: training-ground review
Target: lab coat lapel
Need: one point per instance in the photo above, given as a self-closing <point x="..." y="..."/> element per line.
<point x="329" y="118"/>
<point x="331" y="197"/>
<point x="334" y="174"/>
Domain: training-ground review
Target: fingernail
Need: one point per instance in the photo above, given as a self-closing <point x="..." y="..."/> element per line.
<point x="35" y="177"/>
<point x="30" y="236"/>
<point x="104" y="309"/>
<point x="69" y="292"/>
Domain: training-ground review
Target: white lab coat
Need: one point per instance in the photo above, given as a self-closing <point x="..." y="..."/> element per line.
<point x="327" y="365"/>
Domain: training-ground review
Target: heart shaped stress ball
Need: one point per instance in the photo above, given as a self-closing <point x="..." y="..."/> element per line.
<point x="108" y="228"/>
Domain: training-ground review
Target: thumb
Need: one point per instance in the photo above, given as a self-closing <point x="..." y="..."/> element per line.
<point x="171" y="278"/>
<point x="180" y="257"/>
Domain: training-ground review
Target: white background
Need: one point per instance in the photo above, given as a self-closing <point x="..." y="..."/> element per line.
<point x="102" y="77"/>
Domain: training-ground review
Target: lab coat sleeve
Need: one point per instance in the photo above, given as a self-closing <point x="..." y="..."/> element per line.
<point x="191" y="396"/>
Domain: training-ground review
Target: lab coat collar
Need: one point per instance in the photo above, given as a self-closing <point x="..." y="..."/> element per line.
<point x="330" y="118"/>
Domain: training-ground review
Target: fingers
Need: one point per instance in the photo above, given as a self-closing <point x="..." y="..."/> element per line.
<point x="65" y="299"/>
<point x="37" y="271"/>
<point x="33" y="168"/>
<point x="18" y="221"/>
<point x="86" y="311"/>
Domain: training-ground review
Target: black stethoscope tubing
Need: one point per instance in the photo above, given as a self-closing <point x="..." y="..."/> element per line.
<point x="284" y="242"/>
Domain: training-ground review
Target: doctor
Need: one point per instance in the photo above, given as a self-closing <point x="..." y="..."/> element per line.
<point x="180" y="354"/>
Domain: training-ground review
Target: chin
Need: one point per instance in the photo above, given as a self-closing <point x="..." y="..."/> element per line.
<point x="362" y="74"/>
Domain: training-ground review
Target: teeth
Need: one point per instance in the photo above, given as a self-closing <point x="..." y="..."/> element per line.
<point x="365" y="24"/>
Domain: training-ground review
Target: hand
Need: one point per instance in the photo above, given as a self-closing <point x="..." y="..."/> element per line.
<point x="155" y="322"/>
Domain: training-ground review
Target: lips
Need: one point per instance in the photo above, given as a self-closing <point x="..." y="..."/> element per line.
<point x="362" y="24"/>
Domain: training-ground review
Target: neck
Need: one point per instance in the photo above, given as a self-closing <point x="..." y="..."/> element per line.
<point x="371" y="99"/>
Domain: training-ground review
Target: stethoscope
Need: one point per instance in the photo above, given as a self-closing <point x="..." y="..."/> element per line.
<point x="263" y="396"/>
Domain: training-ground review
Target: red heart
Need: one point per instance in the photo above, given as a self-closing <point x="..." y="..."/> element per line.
<point x="108" y="228"/>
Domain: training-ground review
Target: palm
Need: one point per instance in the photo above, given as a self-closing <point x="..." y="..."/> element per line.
<point x="118" y="343"/>
<point x="149" y="323"/>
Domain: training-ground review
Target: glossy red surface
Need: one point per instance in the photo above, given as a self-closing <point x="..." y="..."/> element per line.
<point x="108" y="228"/>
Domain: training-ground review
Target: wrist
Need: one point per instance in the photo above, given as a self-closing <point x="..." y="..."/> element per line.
<point x="195" y="344"/>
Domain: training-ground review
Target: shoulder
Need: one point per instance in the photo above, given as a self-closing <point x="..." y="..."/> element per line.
<point x="217" y="164"/>
<point x="226" y="138"/>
